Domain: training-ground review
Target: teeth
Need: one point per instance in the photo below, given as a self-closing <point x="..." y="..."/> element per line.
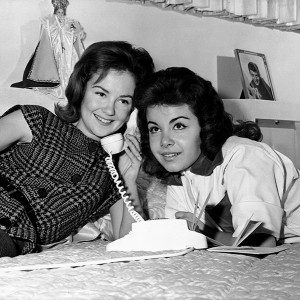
<point x="170" y="155"/>
<point x="103" y="120"/>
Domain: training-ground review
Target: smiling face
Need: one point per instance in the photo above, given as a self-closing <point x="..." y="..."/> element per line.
<point x="107" y="104"/>
<point x="255" y="77"/>
<point x="174" y="136"/>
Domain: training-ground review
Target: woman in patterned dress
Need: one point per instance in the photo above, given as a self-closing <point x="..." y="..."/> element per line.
<point x="53" y="174"/>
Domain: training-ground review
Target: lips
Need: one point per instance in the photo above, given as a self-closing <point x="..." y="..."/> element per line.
<point x="170" y="155"/>
<point x="102" y="120"/>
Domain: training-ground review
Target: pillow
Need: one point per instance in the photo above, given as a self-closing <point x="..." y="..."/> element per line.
<point x="10" y="97"/>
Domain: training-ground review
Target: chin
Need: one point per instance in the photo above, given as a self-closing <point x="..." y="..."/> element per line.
<point x="172" y="169"/>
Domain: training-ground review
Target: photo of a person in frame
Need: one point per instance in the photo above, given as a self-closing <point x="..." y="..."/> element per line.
<point x="258" y="88"/>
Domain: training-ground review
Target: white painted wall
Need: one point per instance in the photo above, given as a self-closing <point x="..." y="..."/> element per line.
<point x="172" y="38"/>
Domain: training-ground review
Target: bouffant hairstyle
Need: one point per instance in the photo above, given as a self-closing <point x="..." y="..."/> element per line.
<point x="100" y="58"/>
<point x="177" y="86"/>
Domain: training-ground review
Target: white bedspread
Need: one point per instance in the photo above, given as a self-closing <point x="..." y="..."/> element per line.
<point x="195" y="275"/>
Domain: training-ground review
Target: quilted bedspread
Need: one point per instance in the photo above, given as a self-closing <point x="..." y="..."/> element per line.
<point x="87" y="271"/>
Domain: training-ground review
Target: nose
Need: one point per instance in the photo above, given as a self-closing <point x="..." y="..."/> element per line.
<point x="109" y="108"/>
<point x="166" y="140"/>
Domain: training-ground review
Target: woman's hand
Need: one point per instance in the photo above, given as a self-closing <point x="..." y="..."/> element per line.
<point x="129" y="166"/>
<point x="190" y="218"/>
<point x="224" y="238"/>
<point x="130" y="161"/>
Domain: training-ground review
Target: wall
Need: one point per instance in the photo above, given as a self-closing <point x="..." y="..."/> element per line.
<point x="173" y="39"/>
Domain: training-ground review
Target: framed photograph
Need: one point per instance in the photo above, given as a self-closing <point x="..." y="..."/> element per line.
<point x="255" y="75"/>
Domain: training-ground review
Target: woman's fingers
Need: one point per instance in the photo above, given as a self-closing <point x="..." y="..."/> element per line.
<point x="184" y="215"/>
<point x="190" y="218"/>
<point x="134" y="147"/>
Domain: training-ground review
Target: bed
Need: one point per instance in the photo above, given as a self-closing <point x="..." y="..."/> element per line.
<point x="85" y="270"/>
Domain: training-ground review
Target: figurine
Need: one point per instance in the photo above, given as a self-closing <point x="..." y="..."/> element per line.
<point x="59" y="48"/>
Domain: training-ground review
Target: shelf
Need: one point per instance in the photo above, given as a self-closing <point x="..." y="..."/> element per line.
<point x="251" y="109"/>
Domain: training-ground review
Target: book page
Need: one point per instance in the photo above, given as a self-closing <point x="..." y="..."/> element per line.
<point x="248" y="250"/>
<point x="249" y="228"/>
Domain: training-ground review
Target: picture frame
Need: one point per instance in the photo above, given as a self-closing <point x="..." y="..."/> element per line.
<point x="255" y="75"/>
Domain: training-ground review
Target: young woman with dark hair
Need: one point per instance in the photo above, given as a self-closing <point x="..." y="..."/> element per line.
<point x="189" y="140"/>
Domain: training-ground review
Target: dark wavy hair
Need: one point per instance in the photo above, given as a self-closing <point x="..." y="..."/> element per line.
<point x="253" y="67"/>
<point x="100" y="58"/>
<point x="176" y="86"/>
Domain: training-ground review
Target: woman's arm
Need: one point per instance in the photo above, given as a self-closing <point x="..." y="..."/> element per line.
<point x="259" y="240"/>
<point x="255" y="184"/>
<point x="121" y="219"/>
<point x="226" y="238"/>
<point x="14" y="129"/>
<point x="129" y="166"/>
<point x="116" y="214"/>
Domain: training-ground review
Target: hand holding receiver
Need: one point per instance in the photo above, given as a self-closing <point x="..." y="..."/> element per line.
<point x="129" y="167"/>
<point x="130" y="161"/>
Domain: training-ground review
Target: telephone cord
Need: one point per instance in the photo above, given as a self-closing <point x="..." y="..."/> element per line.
<point x="115" y="176"/>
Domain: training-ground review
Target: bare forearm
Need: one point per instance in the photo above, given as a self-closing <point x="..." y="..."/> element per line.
<point x="132" y="192"/>
<point x="226" y="238"/>
<point x="260" y="240"/>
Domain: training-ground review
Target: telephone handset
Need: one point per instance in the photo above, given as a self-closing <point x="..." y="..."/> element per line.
<point x="113" y="144"/>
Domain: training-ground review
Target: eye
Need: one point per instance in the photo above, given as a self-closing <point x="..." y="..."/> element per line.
<point x="125" y="101"/>
<point x="179" y="126"/>
<point x="101" y="94"/>
<point x="153" y="129"/>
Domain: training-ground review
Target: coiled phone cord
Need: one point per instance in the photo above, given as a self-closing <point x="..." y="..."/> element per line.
<point x="115" y="176"/>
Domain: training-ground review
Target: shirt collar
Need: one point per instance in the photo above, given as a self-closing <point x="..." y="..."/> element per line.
<point x="202" y="166"/>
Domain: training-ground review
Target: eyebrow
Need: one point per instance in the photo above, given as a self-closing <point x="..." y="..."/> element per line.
<point x="106" y="91"/>
<point x="172" y="120"/>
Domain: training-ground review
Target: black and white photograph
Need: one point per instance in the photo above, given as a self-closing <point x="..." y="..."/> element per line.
<point x="131" y="165"/>
<point x="255" y="75"/>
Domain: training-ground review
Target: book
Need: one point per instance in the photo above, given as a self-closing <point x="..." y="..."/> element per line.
<point x="249" y="227"/>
